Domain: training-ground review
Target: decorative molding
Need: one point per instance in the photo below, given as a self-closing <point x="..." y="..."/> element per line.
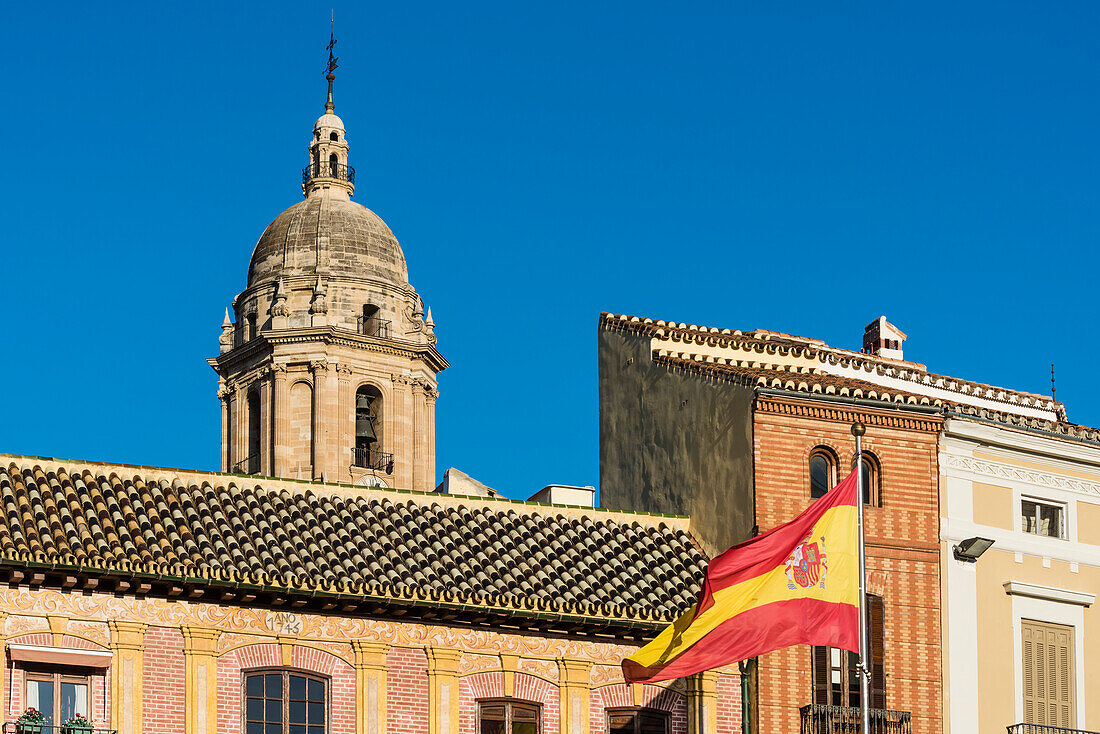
<point x="1033" y="477"/>
<point x="1050" y="593"/>
<point x="806" y="407"/>
<point x="238" y="624"/>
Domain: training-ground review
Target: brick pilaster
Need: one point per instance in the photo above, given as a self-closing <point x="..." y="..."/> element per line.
<point x="128" y="646"/>
<point x="702" y="703"/>
<point x="443" y="690"/>
<point x="200" y="680"/>
<point x="370" y="686"/>
<point x="573" y="690"/>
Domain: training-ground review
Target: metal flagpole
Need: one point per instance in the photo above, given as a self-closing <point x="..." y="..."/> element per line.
<point x="858" y="429"/>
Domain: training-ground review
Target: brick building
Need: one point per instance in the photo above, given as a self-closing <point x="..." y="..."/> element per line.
<point x="767" y="430"/>
<point x="318" y="585"/>
<point x="952" y="466"/>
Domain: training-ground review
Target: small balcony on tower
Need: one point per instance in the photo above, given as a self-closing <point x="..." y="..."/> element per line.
<point x="329" y="170"/>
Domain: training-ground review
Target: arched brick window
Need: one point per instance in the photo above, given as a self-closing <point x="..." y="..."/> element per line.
<point x="285" y="702"/>
<point x="822" y="471"/>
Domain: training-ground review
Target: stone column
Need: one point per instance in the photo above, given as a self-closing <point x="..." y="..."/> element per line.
<point x="443" y="690"/>
<point x="280" y="420"/>
<point x="418" y="459"/>
<point x="702" y="703"/>
<point x="429" y="441"/>
<point x="200" y="665"/>
<point x="240" y="427"/>
<point x="397" y="428"/>
<point x="267" y="460"/>
<point x="128" y="646"/>
<point x="344" y="421"/>
<point x="370" y="686"/>
<point x="573" y="687"/>
<point x="223" y="398"/>
<point x="319" y="368"/>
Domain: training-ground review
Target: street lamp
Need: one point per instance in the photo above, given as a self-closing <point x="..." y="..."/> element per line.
<point x="970" y="549"/>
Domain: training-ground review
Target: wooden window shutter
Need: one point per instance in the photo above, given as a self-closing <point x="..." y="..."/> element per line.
<point x="876" y="630"/>
<point x="821" y="674"/>
<point x="1048" y="673"/>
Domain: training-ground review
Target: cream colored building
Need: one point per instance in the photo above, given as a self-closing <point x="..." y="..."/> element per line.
<point x="328" y="368"/>
<point x="1022" y="629"/>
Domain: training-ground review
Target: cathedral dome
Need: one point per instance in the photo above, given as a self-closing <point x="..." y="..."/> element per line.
<point x="330" y="235"/>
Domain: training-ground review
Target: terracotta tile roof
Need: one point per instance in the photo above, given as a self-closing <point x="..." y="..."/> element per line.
<point x="832" y="369"/>
<point x="352" y="543"/>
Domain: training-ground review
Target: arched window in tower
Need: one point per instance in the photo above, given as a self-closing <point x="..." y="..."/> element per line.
<point x="872" y="479"/>
<point x="367" y="452"/>
<point x="333" y="136"/>
<point x="251" y="463"/>
<point x="334" y="166"/>
<point x="371" y="323"/>
<point x="822" y="471"/>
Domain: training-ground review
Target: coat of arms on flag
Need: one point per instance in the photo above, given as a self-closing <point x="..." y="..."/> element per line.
<point x="807" y="566"/>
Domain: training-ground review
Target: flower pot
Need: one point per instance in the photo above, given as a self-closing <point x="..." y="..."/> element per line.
<point x="76" y="729"/>
<point x="27" y="728"/>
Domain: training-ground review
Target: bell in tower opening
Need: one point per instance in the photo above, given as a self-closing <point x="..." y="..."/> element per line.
<point x="329" y="368"/>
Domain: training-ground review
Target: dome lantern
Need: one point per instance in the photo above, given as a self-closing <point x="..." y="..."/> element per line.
<point x="328" y="169"/>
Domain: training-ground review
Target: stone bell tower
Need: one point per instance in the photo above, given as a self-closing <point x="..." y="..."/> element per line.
<point x="328" y="368"/>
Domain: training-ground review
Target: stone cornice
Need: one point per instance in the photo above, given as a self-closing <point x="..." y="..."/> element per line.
<point x="840" y="413"/>
<point x="329" y="335"/>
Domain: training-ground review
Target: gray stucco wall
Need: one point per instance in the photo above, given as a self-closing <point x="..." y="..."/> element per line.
<point x="676" y="443"/>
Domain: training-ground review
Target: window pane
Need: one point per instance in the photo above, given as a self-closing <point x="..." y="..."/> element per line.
<point x="254" y="709"/>
<point x="1027" y="515"/>
<point x="254" y="685"/>
<point x="651" y="723"/>
<point x="273" y="729"/>
<point x="297" y="714"/>
<point x="866" y="477"/>
<point x="494" y="711"/>
<point x="274" y="685"/>
<point x="524" y="713"/>
<point x="316" y="712"/>
<point x="254" y="727"/>
<point x="316" y="690"/>
<point x="297" y="688"/>
<point x="273" y="709"/>
<point x="525" y="727"/>
<point x="819" y="476"/>
<point x="1050" y="521"/>
<point x="40" y="696"/>
<point x="621" y="724"/>
<point x="492" y="726"/>
<point x="74" y="700"/>
<point x="316" y="730"/>
<point x="297" y="729"/>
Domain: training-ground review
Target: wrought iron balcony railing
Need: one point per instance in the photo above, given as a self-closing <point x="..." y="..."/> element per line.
<point x="372" y="326"/>
<point x="14" y="727"/>
<point x="1045" y="729"/>
<point x="328" y="170"/>
<point x="820" y="719"/>
<point x="372" y="459"/>
<point x="248" y="465"/>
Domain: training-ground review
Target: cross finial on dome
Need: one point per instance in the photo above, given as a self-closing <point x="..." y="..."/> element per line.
<point x="332" y="65"/>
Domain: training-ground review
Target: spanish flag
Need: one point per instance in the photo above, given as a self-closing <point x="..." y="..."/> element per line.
<point x="796" y="584"/>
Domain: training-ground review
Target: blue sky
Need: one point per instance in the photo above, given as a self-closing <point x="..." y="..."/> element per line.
<point x="801" y="167"/>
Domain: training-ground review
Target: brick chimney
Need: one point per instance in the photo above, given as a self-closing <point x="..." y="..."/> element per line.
<point x="883" y="339"/>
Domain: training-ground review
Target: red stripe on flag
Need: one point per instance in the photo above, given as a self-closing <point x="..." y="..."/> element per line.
<point x="757" y="631"/>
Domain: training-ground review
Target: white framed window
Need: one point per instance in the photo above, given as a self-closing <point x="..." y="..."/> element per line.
<point x="1042" y="517"/>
